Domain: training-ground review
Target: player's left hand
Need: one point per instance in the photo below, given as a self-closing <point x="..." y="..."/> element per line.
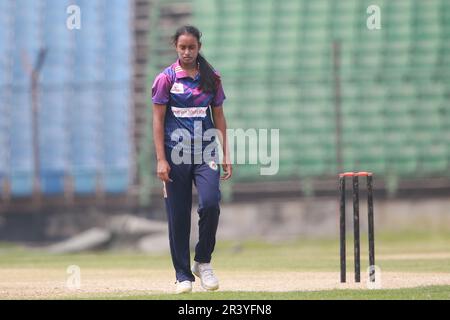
<point x="227" y="171"/>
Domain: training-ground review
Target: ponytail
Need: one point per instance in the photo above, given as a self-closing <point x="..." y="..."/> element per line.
<point x="209" y="79"/>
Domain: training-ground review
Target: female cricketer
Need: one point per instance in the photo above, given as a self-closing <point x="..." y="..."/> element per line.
<point x="187" y="102"/>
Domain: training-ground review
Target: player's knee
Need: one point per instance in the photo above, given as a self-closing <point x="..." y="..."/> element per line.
<point x="210" y="206"/>
<point x="209" y="201"/>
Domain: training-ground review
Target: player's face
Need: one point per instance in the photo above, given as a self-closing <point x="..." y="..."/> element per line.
<point x="187" y="48"/>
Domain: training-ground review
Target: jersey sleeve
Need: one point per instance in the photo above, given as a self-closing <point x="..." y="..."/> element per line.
<point x="161" y="89"/>
<point x="219" y="95"/>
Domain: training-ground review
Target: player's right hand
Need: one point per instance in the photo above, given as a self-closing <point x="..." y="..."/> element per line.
<point x="162" y="170"/>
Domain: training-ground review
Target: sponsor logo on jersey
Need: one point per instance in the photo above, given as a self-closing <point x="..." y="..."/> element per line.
<point x="177" y="88"/>
<point x="213" y="165"/>
<point x="189" y="112"/>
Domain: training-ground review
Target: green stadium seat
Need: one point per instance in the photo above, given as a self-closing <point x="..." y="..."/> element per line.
<point x="372" y="94"/>
<point x="368" y="64"/>
<point x="204" y="9"/>
<point x="369" y="152"/>
<point x="286" y="92"/>
<point x="287" y="21"/>
<point x="231" y="6"/>
<point x="348" y="156"/>
<point x="286" y="37"/>
<point x="346" y="63"/>
<point x="231" y="39"/>
<point x="350" y="104"/>
<point x="372" y="158"/>
<point x="288" y="151"/>
<point x="317" y="11"/>
<point x="316" y="160"/>
<point x="443" y="68"/>
<point x="310" y="166"/>
<point x="427" y="15"/>
<point x="401" y="154"/>
<point x="399" y="26"/>
<point x="344" y="20"/>
<point x="294" y="7"/>
<point x="316" y="92"/>
<point x="283" y="64"/>
<point x="287" y="171"/>
<point x="398" y="110"/>
<point x="427" y="37"/>
<point x="259" y="7"/>
<point x="428" y="117"/>
<point x="246" y="172"/>
<point x="372" y="123"/>
<point x="434" y="159"/>
<point x="351" y="127"/>
<point x="424" y="137"/>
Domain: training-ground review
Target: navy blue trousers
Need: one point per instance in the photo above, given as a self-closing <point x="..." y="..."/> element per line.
<point x="179" y="206"/>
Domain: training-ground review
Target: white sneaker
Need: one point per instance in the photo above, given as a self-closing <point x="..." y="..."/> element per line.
<point x="183" y="286"/>
<point x="205" y="272"/>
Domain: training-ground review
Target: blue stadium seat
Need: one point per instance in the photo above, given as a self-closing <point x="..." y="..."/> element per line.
<point x="52" y="182"/>
<point x="4" y="145"/>
<point x="26" y="40"/>
<point x="53" y="139"/>
<point x="85" y="180"/>
<point x="21" y="183"/>
<point x="116" y="180"/>
<point x="5" y="43"/>
<point x="20" y="135"/>
<point x="84" y="132"/>
<point x="21" y="153"/>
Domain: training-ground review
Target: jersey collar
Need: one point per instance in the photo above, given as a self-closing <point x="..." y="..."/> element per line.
<point x="179" y="72"/>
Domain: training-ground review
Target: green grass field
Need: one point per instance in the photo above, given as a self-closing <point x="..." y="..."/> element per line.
<point x="397" y="253"/>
